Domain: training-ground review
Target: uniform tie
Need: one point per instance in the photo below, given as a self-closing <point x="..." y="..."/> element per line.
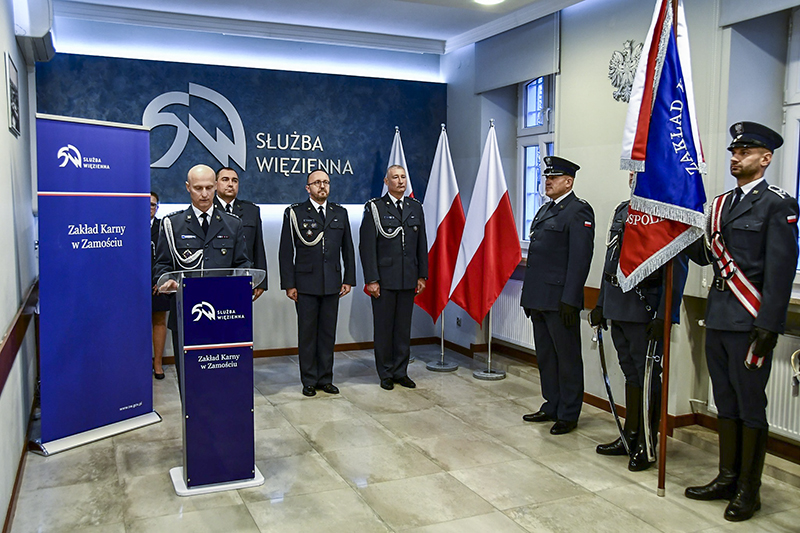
<point x="400" y="206"/>
<point x="228" y="209"/>
<point x="736" y="197"/>
<point x="322" y="213"/>
<point x="204" y="223"/>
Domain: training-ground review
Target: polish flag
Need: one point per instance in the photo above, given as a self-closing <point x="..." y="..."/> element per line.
<point x="489" y="250"/>
<point x="444" y="225"/>
<point x="398" y="157"/>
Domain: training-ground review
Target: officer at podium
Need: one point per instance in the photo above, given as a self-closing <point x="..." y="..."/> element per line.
<point x="198" y="238"/>
<point x="315" y="244"/>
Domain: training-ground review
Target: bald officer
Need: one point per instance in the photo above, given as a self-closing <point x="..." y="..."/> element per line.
<point x="197" y="238"/>
<point x="394" y="256"/>
<point x="559" y="255"/>
<point x="753" y="246"/>
<point x="318" y="266"/>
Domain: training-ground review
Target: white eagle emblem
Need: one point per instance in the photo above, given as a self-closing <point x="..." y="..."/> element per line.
<point x="622" y="69"/>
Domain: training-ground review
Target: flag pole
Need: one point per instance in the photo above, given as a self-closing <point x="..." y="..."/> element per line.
<point x="442" y="365"/>
<point x="662" y="427"/>
<point x="489" y="374"/>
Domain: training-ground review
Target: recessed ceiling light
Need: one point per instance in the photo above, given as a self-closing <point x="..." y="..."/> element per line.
<point x="489" y="2"/>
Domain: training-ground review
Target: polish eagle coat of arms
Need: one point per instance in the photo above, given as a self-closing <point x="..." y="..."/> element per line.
<point x="622" y="69"/>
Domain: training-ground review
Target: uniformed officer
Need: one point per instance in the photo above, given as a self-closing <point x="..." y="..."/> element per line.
<point x="637" y="319"/>
<point x="559" y="255"/>
<point x="197" y="238"/>
<point x="227" y="200"/>
<point x="753" y="246"/>
<point x="394" y="256"/>
<point x="315" y="242"/>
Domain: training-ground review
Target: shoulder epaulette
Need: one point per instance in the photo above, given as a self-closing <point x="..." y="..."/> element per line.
<point x="234" y="215"/>
<point x="334" y="204"/>
<point x="581" y="200"/>
<point x="371" y="200"/>
<point x="412" y="198"/>
<point x="295" y="205"/>
<point x="175" y="213"/>
<point x="245" y="202"/>
<point x="780" y="192"/>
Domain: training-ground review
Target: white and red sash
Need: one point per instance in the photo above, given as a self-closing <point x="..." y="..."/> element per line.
<point x="744" y="291"/>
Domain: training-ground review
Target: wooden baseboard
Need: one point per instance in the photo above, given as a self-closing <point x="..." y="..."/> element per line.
<point x="673" y="421"/>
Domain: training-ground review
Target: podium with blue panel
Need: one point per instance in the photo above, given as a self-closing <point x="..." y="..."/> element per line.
<point x="216" y="339"/>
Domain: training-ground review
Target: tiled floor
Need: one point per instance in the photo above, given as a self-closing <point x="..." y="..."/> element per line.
<point x="452" y="455"/>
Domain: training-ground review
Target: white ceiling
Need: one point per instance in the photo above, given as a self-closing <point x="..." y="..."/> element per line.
<point x="426" y="26"/>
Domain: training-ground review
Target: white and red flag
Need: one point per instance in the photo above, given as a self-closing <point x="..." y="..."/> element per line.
<point x="398" y="157"/>
<point x="661" y="143"/>
<point x="444" y="225"/>
<point x="489" y="250"/>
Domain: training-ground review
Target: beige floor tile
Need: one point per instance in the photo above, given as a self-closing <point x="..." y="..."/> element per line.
<point x="494" y="522"/>
<point x="280" y="442"/>
<point x="421" y="424"/>
<point x="70" y="507"/>
<point x="780" y="522"/>
<point x="280" y="393"/>
<point x="154" y="495"/>
<point x="267" y="416"/>
<point x="665" y="514"/>
<point x="227" y="519"/>
<point x="535" y="440"/>
<point x="581" y="513"/>
<point x="349" y="433"/>
<point x="321" y="408"/>
<point x="86" y="464"/>
<point x="455" y="452"/>
<point x="136" y="459"/>
<point x="511" y="387"/>
<point x="332" y="511"/>
<point x="595" y="472"/>
<point x="362" y="467"/>
<point x="372" y="399"/>
<point x="424" y="500"/>
<point x="489" y="415"/>
<point x="290" y="476"/>
<point x="517" y="483"/>
<point x="454" y="390"/>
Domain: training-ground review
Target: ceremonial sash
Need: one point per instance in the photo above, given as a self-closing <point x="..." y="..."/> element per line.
<point x="744" y="291"/>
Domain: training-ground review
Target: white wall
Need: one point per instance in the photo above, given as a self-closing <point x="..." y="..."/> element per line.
<point x="17" y="265"/>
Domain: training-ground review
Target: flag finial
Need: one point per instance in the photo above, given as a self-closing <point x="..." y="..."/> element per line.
<point x="491" y="123"/>
<point x="397" y="129"/>
<point x="443" y="128"/>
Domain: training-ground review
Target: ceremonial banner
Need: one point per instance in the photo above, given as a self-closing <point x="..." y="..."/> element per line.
<point x="444" y="226"/>
<point x="94" y="235"/>
<point x="489" y="250"/>
<point x="662" y="144"/>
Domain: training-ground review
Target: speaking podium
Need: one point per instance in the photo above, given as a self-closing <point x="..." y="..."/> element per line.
<point x="215" y="330"/>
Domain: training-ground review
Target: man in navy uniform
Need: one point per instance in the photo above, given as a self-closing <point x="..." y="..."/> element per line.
<point x="315" y="242"/>
<point x="227" y="200"/>
<point x="198" y="238"/>
<point x="559" y="256"/>
<point x="753" y="246"/>
<point x="637" y="319"/>
<point x="394" y="256"/>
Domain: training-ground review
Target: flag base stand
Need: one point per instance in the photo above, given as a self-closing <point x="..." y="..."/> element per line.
<point x="442" y="365"/>
<point x="489" y="375"/>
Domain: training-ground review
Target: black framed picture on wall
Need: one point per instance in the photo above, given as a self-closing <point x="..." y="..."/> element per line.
<point x="12" y="89"/>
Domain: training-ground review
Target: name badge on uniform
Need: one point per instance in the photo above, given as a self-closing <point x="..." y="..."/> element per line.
<point x="188" y="236"/>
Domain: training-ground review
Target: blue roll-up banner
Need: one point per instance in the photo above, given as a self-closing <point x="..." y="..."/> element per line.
<point x="217" y="380"/>
<point x="94" y="235"/>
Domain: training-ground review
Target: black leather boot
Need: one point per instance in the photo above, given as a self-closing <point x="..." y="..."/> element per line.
<point x="638" y="460"/>
<point x="633" y="403"/>
<point x="747" y="500"/>
<point x="723" y="487"/>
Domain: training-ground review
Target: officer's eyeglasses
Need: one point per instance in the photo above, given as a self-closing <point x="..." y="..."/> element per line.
<point x="153" y="204"/>
<point x="320" y="183"/>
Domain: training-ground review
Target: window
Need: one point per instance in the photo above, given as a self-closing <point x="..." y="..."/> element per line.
<point x="534" y="141"/>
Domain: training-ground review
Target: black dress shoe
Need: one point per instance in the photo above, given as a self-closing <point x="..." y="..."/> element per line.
<point x="158" y="376"/>
<point x="406" y="382"/>
<point x="562" y="427"/>
<point x="538" y="416"/>
<point x="612" y="448"/>
<point x="309" y="391"/>
<point x="387" y="384"/>
<point x="330" y="388"/>
<point x="639" y="461"/>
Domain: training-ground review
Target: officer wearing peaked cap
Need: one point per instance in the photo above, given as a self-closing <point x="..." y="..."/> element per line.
<point x="201" y="237"/>
<point x="752" y="243"/>
<point x="317" y="266"/>
<point x="559" y="256"/>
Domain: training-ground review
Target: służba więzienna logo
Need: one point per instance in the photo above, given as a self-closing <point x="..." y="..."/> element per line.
<point x="69" y="154"/>
<point x="203" y="309"/>
<point x="220" y="146"/>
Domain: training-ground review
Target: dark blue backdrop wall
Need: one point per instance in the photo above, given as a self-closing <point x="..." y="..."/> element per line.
<point x="272" y="126"/>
